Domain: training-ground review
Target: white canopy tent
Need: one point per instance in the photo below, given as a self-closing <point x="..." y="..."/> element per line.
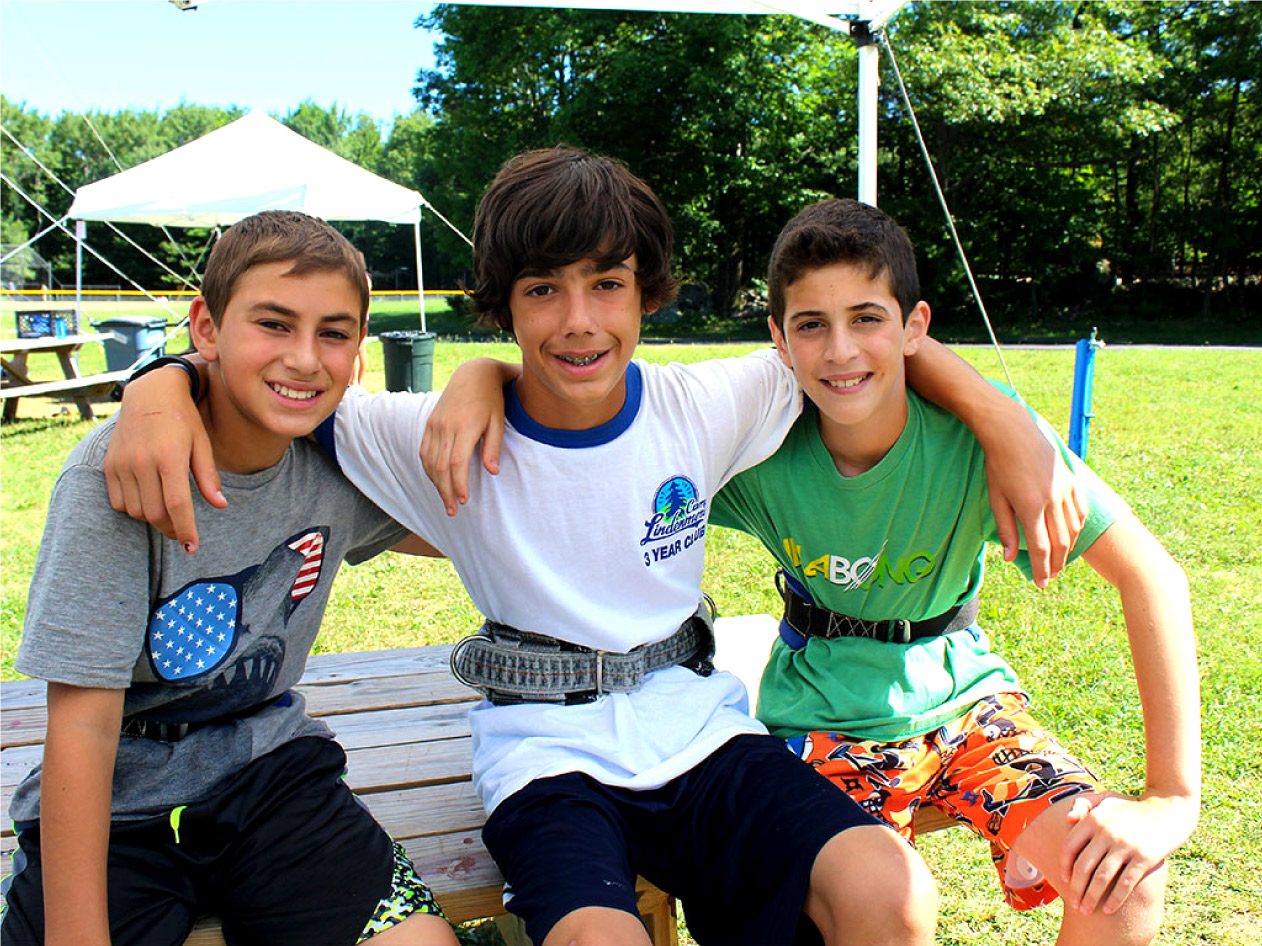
<point x="249" y="165"/>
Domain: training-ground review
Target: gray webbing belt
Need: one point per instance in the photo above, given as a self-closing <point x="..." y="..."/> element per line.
<point x="511" y="666"/>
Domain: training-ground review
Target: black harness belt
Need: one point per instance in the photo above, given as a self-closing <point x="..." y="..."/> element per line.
<point x="805" y="620"/>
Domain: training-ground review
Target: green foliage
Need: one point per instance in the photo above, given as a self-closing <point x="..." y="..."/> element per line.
<point x="1102" y="160"/>
<point x="728" y="95"/>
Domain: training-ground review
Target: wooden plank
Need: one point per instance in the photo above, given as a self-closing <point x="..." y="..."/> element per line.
<point x="93" y="384"/>
<point x="14" y="764"/>
<point x="15" y="694"/>
<point x="371" y="693"/>
<point x="397" y="726"/>
<point x="22" y="725"/>
<point x="394" y="662"/>
<point x="462" y="875"/>
<point x="398" y="767"/>
<point x="424" y="812"/>
<point x="46" y="342"/>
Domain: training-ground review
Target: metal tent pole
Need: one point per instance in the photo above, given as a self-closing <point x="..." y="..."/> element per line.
<point x="869" y="80"/>
<point x="80" y="233"/>
<point x="420" y="279"/>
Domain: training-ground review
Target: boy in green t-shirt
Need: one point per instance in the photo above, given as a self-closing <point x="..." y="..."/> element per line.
<point x="882" y="678"/>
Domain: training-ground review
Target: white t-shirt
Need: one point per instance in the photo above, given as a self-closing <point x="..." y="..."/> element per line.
<point x="596" y="537"/>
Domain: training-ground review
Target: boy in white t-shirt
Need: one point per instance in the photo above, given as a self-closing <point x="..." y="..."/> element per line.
<point x="607" y="746"/>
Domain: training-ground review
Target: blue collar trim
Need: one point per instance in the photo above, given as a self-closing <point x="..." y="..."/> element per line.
<point x="577" y="439"/>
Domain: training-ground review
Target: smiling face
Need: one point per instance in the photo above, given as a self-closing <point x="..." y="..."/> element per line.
<point x="281" y="358"/>
<point x="845" y="340"/>
<point x="577" y="327"/>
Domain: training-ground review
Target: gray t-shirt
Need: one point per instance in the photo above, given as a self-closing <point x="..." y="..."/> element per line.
<point x="115" y="604"/>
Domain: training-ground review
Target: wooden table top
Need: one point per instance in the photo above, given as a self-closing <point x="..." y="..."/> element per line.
<point x="48" y="342"/>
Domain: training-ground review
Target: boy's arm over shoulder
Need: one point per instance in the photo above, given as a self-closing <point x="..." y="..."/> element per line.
<point x="1028" y="481"/>
<point x="79" y="753"/>
<point x="1099" y="505"/>
<point x="375" y="440"/>
<point x="158" y="438"/>
<point x="1120" y="839"/>
<point x="741" y="409"/>
<point x="470" y="409"/>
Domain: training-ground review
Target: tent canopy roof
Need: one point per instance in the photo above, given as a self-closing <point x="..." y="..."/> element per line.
<point x="249" y="165"/>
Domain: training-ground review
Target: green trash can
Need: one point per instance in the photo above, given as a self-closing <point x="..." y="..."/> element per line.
<point x="131" y="336"/>
<point x="409" y="358"/>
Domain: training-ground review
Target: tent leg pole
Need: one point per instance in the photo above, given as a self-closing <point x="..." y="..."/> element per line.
<point x="869" y="79"/>
<point x="80" y="232"/>
<point x="420" y="279"/>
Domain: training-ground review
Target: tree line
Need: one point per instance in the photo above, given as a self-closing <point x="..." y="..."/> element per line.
<point x="1097" y="157"/>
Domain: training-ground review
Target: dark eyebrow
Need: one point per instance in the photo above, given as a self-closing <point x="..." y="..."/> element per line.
<point x="860" y="306"/>
<point x="534" y="272"/>
<point x="605" y="267"/>
<point x="268" y="305"/>
<point x="857" y="307"/>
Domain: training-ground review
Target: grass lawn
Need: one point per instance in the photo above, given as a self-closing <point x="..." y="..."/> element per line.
<point x="1177" y="433"/>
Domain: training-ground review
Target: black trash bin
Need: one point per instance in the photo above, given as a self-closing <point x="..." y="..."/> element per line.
<point x="409" y="359"/>
<point x="131" y="336"/>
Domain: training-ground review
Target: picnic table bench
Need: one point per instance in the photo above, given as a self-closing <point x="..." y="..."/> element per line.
<point x="14" y="353"/>
<point x="402" y="718"/>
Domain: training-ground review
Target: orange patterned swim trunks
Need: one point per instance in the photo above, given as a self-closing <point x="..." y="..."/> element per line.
<point x="994" y="769"/>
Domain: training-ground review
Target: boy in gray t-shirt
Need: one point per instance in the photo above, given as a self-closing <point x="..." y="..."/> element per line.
<point x="181" y="774"/>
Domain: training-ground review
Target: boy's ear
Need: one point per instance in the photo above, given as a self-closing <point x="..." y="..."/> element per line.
<point x="777" y="336"/>
<point x="202" y="330"/>
<point x="916" y="329"/>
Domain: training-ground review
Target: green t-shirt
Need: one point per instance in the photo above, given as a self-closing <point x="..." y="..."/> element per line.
<point x="905" y="539"/>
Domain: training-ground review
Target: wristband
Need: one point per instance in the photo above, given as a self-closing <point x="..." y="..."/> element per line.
<point x="194" y="379"/>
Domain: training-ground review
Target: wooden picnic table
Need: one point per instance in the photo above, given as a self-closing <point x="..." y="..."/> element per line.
<point x="18" y="383"/>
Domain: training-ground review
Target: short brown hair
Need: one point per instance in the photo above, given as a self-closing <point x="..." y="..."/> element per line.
<point x="277" y="236"/>
<point x="550" y="208"/>
<point x="843" y="231"/>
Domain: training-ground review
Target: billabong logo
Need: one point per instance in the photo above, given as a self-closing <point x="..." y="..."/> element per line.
<point x="675" y="509"/>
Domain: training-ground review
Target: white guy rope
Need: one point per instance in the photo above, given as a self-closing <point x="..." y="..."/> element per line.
<point x="18" y="249"/>
<point x="69" y="190"/>
<point x="454" y="228"/>
<point x="933" y="174"/>
<point x="61" y="225"/>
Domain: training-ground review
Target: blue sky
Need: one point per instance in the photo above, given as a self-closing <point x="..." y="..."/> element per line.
<point x="148" y="54"/>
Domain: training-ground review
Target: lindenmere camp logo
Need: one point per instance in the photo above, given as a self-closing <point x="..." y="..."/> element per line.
<point x="676" y="510"/>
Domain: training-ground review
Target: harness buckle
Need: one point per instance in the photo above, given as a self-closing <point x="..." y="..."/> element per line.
<point x="455" y="655"/>
<point x="600" y="672"/>
<point x="901" y="627"/>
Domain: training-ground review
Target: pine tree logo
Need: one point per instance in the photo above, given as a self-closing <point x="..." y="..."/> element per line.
<point x="673" y="497"/>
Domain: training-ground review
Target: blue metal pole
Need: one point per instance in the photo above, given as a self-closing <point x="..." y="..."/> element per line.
<point x="1084" y="378"/>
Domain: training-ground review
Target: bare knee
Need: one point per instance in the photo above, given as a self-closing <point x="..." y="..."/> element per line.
<point x="1135" y="923"/>
<point x="869" y="886"/>
<point x="597" y="926"/>
<point x="419" y="929"/>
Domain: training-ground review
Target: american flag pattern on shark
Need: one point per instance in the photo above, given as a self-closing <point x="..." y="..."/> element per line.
<point x="193" y="632"/>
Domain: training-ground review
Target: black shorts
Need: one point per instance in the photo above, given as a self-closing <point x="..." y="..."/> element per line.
<point x="734" y="839"/>
<point x="284" y="854"/>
